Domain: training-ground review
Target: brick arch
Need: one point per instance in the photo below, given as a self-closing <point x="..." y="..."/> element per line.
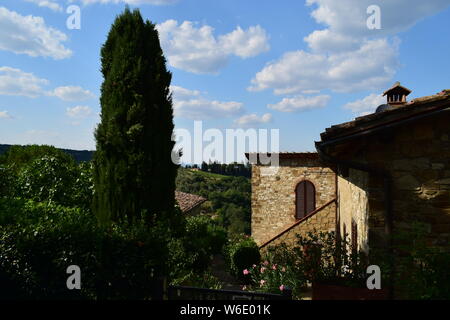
<point x="305" y="198"/>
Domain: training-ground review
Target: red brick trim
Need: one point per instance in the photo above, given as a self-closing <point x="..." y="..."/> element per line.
<point x="297" y="223"/>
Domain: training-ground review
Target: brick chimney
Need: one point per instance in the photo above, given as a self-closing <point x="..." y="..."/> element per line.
<point x="396" y="95"/>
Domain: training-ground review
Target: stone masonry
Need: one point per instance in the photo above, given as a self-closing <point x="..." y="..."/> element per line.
<point x="322" y="221"/>
<point x="273" y="195"/>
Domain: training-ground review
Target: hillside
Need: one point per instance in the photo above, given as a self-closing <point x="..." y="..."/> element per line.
<point x="228" y="197"/>
<point x="79" y="155"/>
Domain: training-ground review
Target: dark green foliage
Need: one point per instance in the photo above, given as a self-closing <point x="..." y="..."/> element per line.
<point x="50" y="178"/>
<point x="78" y="155"/>
<point x="44" y="173"/>
<point x="18" y="157"/>
<point x="226" y="169"/>
<point x="318" y="257"/>
<point x="7" y="181"/>
<point x="206" y="234"/>
<point x="134" y="175"/>
<point x="242" y="254"/>
<point x="39" y="241"/>
<point x="228" y="197"/>
<point x="421" y="271"/>
<point x="192" y="253"/>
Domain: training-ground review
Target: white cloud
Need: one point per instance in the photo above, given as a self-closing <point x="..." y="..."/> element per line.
<point x="180" y="93"/>
<point x="191" y="105"/>
<point x="15" y="82"/>
<point x="329" y="41"/>
<point x="5" y="115"/>
<point x="79" y="112"/>
<point x="345" y="55"/>
<point x="197" y="50"/>
<point x="201" y="109"/>
<point x="245" y="44"/>
<point x="348" y="18"/>
<point x="48" y="4"/>
<point x="30" y="35"/>
<point x="72" y="93"/>
<point x="300" y="103"/>
<point x="253" y="120"/>
<point x="366" y="105"/>
<point x="370" y="67"/>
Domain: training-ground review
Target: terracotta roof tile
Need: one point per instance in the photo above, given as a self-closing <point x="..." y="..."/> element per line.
<point x="416" y="105"/>
<point x="188" y="201"/>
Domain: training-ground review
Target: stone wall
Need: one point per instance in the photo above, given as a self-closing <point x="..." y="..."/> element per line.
<point x="417" y="156"/>
<point x="324" y="220"/>
<point x="353" y="206"/>
<point x="273" y="193"/>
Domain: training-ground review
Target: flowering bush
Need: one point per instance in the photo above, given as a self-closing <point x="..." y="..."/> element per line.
<point x="273" y="278"/>
<point x="241" y="253"/>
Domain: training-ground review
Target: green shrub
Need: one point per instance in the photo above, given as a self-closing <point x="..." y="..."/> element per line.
<point x="274" y="278"/>
<point x="204" y="280"/>
<point x="48" y="178"/>
<point x="193" y="252"/>
<point x="44" y="173"/>
<point x="38" y="241"/>
<point x="18" y="157"/>
<point x="58" y="180"/>
<point x="7" y="180"/>
<point x="83" y="189"/>
<point x="243" y="253"/>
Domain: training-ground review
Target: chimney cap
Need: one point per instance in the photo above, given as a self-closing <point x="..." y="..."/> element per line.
<point x="397" y="88"/>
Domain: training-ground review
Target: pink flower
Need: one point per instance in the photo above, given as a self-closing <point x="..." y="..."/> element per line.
<point x="283" y="269"/>
<point x="266" y="263"/>
<point x="282" y="287"/>
<point x="262" y="282"/>
<point x="262" y="269"/>
<point x="254" y="266"/>
<point x="245" y="272"/>
<point x="274" y="267"/>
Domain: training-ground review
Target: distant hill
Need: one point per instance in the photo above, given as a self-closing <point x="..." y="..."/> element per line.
<point x="79" y="155"/>
<point x="228" y="197"/>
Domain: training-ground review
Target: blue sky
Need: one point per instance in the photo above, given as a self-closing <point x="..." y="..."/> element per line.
<point x="297" y="66"/>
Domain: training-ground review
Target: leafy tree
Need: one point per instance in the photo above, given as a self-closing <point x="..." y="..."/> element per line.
<point x="17" y="157"/>
<point x="228" y="197"/>
<point x="134" y="175"/>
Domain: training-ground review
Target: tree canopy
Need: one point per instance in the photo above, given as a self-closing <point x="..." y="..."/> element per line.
<point x="134" y="175"/>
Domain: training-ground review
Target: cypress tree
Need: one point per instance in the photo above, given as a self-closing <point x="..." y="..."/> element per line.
<point x="134" y="175"/>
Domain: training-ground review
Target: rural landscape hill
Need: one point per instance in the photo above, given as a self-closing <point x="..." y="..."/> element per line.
<point x="79" y="155"/>
<point x="228" y="197"/>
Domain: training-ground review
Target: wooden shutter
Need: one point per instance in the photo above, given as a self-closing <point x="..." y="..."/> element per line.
<point x="300" y="194"/>
<point x="305" y="199"/>
<point x="310" y="198"/>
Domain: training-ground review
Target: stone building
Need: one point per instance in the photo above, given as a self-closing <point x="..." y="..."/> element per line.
<point x="371" y="176"/>
<point x="296" y="198"/>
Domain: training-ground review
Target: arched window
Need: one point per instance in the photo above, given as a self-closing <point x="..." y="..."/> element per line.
<point x="305" y="199"/>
